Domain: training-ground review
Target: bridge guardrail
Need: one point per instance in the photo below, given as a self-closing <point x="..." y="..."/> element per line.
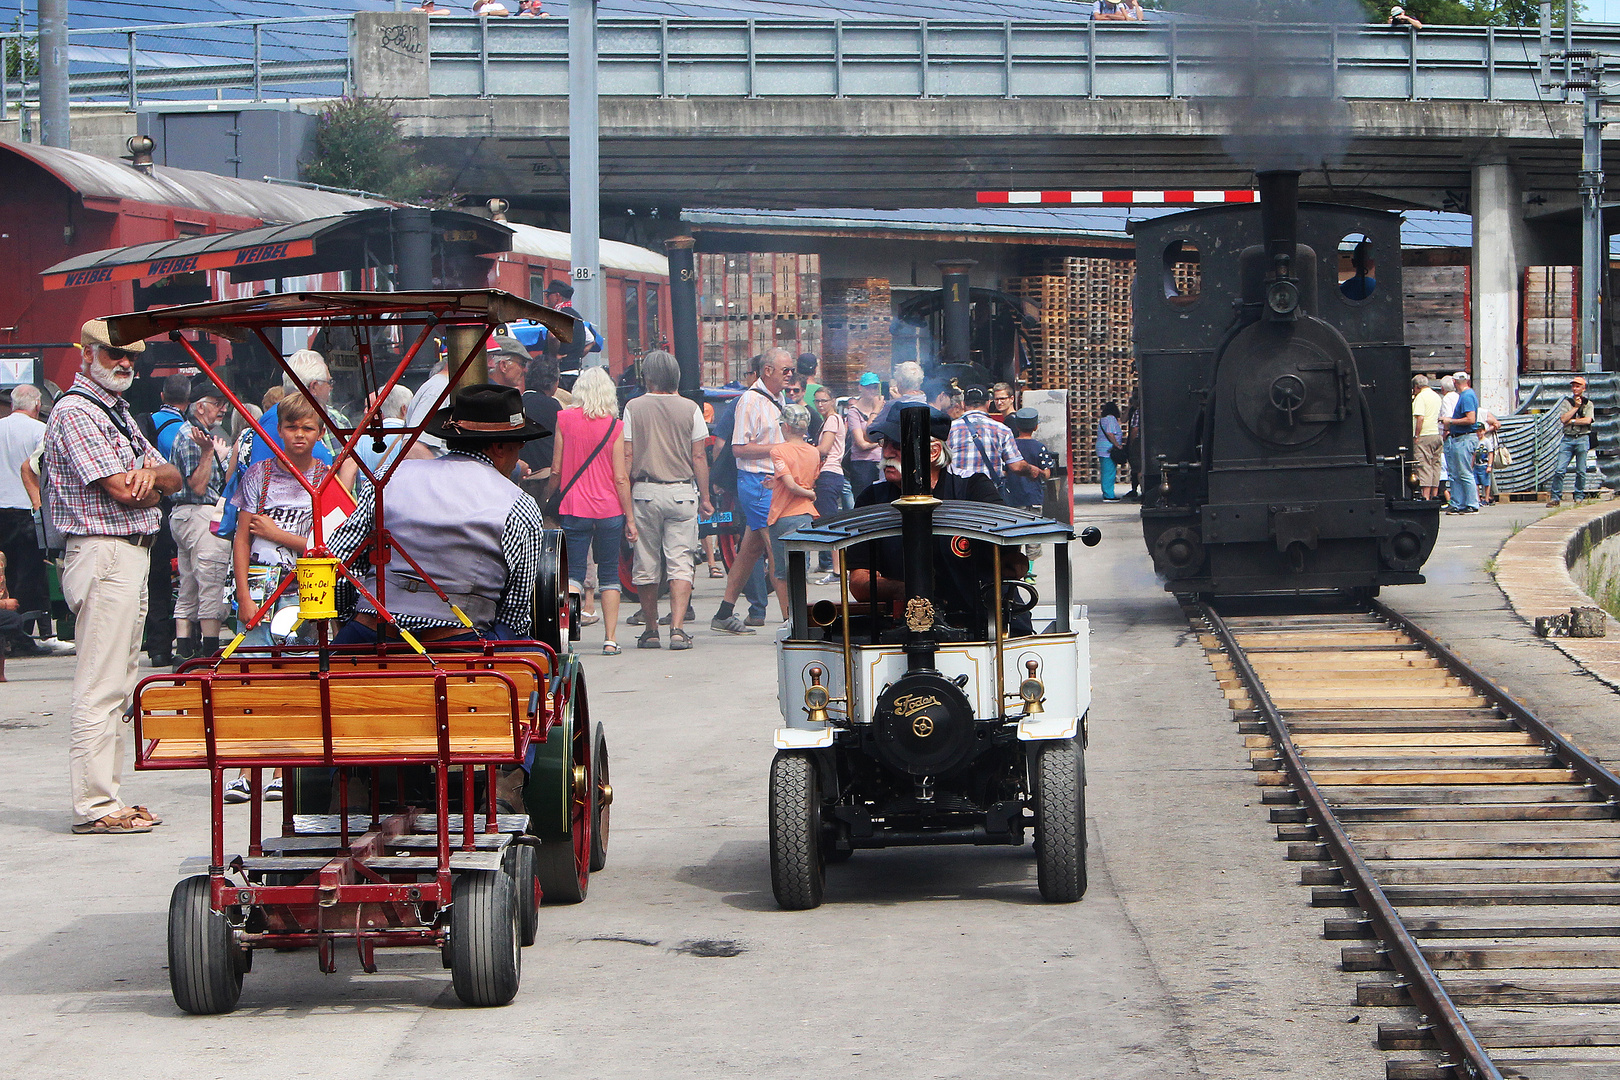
<point x="750" y="58"/>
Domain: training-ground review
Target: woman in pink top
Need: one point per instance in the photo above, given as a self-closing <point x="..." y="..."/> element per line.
<point x="588" y="468"/>
<point x="830" y="481"/>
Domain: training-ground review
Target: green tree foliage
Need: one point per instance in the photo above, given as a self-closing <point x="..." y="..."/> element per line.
<point x="22" y="54"/>
<point x="359" y="144"/>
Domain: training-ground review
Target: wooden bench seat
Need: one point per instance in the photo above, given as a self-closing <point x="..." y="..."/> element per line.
<point x="264" y="718"/>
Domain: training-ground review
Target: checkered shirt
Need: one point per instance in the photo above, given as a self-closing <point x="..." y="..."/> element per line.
<point x="997" y="440"/>
<point x="186" y="456"/>
<point x="520" y="546"/>
<point x="82" y="446"/>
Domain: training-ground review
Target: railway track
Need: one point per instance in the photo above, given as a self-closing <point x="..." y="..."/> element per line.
<point x="1478" y="849"/>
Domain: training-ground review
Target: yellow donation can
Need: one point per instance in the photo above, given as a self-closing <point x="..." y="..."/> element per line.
<point x="317" y="589"/>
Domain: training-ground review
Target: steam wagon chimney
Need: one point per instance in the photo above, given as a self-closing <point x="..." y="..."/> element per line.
<point x="916" y="505"/>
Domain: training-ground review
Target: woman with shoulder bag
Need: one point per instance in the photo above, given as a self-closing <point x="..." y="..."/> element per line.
<point x="589" y="491"/>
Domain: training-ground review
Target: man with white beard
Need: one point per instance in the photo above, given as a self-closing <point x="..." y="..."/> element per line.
<point x="104" y="482"/>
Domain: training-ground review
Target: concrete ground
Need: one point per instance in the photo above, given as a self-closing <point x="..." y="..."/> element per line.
<point x="1194" y="954"/>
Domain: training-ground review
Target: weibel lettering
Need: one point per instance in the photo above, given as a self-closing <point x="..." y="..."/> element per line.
<point x="261" y="254"/>
<point x="88" y="277"/>
<point x="163" y="267"/>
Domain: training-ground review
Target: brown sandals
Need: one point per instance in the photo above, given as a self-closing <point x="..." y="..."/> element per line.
<point x="131" y="819"/>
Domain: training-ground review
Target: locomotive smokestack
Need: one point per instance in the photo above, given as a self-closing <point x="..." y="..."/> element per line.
<point x="916" y="505"/>
<point x="1279" y="212"/>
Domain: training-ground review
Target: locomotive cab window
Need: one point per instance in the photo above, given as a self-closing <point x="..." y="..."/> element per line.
<point x="1358" y="268"/>
<point x="1182" y="278"/>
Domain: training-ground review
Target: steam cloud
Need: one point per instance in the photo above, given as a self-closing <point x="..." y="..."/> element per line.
<point x="1275" y="88"/>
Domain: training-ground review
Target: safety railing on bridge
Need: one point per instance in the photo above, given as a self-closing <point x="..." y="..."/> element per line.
<point x="294" y="57"/>
<point x="664" y="57"/>
<point x="750" y="58"/>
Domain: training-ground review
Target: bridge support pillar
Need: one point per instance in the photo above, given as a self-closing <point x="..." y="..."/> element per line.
<point x="1501" y="244"/>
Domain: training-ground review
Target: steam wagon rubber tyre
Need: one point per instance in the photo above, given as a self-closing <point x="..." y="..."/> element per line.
<point x="520" y="865"/>
<point x="797" y="870"/>
<point x="205" y="963"/>
<point x="604" y="799"/>
<point x="1060" y="821"/>
<point x="486" y="960"/>
<point x="563" y="861"/>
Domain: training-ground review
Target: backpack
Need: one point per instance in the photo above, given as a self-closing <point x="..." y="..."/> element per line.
<point x="723" y="470"/>
<point x="51" y="538"/>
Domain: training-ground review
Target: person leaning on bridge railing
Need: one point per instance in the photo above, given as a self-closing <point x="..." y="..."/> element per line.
<point x="1117" y="10"/>
<point x="1399" y="18"/>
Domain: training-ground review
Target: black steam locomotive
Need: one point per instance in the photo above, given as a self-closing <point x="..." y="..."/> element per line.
<point x="1276" y="399"/>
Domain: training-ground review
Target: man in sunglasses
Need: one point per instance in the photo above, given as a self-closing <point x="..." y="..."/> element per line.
<point x="104" y="480"/>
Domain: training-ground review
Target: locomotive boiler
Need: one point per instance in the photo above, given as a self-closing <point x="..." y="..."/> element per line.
<point x="1276" y="400"/>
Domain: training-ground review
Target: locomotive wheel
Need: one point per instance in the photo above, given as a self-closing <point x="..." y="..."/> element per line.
<point x="797" y="870"/>
<point x="519" y="864"/>
<point x="604" y="799"/>
<point x="564" y="778"/>
<point x="486" y="961"/>
<point x="1060" y="821"/>
<point x="205" y="963"/>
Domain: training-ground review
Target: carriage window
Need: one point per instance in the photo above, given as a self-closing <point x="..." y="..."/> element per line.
<point x="1358" y="278"/>
<point x="1182" y="280"/>
<point x="654" y="339"/>
<point x="632" y="318"/>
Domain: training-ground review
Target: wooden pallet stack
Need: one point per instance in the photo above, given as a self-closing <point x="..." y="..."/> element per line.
<point x="856" y="313"/>
<point x="1084" y="343"/>
<point x="1434" y="300"/>
<point x="1551" y="333"/>
<point x="748" y="303"/>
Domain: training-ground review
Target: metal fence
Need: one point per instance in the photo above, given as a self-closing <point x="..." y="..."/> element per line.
<point x="1030" y="59"/>
<point x="664" y="57"/>
<point x="299" y="57"/>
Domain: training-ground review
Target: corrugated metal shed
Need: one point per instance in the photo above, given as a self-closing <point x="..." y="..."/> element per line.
<point x="101" y="178"/>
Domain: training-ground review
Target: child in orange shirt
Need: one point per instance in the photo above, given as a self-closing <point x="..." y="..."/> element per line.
<point x="793" y="492"/>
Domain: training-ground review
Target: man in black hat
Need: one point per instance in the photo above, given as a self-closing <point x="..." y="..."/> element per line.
<point x="473" y="531"/>
<point x="962" y="568"/>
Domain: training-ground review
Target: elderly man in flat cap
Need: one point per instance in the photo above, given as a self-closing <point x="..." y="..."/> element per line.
<point x="104" y="482"/>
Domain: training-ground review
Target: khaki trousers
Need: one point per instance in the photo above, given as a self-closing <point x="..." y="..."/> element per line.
<point x="104" y="583"/>
<point x="204" y="561"/>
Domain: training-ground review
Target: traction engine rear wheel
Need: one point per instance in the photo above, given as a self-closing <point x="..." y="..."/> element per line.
<point x="564" y="863"/>
<point x="1060" y="821"/>
<point x="486" y="961"/>
<point x="797" y="870"/>
<point x="205" y="963"/>
<point x="604" y="799"/>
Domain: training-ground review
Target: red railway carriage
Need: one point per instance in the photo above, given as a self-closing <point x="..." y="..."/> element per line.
<point x="636" y="291"/>
<point x="57" y="204"/>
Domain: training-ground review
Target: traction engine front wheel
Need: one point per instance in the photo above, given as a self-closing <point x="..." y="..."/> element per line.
<point x="1060" y="820"/>
<point x="798" y="873"/>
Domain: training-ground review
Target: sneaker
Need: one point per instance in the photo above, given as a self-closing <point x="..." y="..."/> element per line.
<point x="56" y="646"/>
<point x="731" y="624"/>
<point x="637" y="619"/>
<point x="238" y="791"/>
<point x="691" y="616"/>
<point x="755" y="620"/>
<point x="829" y="578"/>
<point x="272" y="790"/>
<point x="1554" y="501"/>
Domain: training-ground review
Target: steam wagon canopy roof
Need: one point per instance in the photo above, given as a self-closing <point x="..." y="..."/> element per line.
<point x="990" y="522"/>
<point x="318" y="246"/>
<point x="234" y="319"/>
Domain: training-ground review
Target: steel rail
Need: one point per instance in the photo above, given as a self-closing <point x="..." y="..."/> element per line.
<point x="1450" y="1030"/>
<point x="1592" y="771"/>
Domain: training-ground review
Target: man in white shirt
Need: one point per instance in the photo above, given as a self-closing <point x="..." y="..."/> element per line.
<point x="758" y="428"/>
<point x="1426" y="438"/>
<point x="20" y="435"/>
<point x="1448" y="402"/>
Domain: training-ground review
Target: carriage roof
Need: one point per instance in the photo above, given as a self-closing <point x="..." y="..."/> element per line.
<point x="990" y="522"/>
<point x="234" y="318"/>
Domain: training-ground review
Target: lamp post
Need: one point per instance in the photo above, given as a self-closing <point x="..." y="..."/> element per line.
<point x="584" y="163"/>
